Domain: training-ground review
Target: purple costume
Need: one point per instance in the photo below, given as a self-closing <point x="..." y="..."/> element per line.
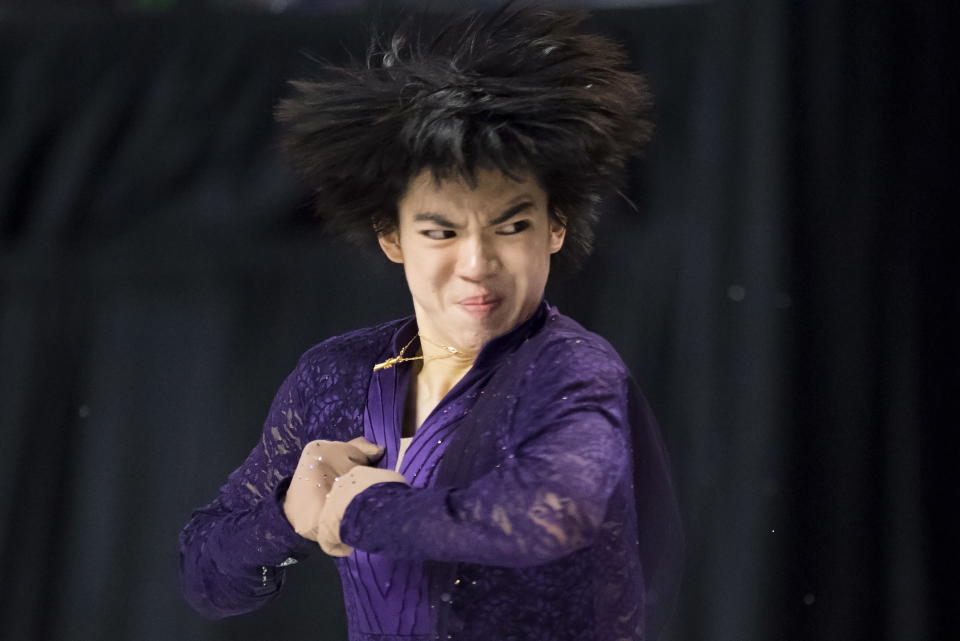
<point x="521" y="517"/>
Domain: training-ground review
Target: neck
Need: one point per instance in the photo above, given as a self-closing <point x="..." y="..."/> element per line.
<point x="440" y="370"/>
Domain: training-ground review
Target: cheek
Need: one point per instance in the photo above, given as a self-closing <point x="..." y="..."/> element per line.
<point x="529" y="264"/>
<point x="428" y="271"/>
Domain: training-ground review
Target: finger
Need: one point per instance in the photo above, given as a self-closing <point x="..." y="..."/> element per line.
<point x="358" y="456"/>
<point x="344" y="458"/>
<point x="371" y="450"/>
<point x="318" y="444"/>
<point x="328" y="536"/>
<point x="336" y="467"/>
<point x="325" y="475"/>
<point x="334" y="456"/>
<point x="336" y="549"/>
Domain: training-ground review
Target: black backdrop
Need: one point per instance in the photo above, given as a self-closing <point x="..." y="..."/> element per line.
<point x="784" y="295"/>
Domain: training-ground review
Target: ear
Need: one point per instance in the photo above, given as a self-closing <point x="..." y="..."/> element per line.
<point x="390" y="244"/>
<point x="558" y="231"/>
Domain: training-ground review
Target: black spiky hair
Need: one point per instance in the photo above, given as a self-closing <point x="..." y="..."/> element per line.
<point x="520" y="89"/>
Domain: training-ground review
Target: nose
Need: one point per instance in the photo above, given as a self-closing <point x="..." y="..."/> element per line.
<point x="478" y="259"/>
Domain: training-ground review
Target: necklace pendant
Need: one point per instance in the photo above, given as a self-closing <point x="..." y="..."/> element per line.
<point x="387" y="364"/>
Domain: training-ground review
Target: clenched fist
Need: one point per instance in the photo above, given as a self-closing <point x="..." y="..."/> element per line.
<point x="344" y="490"/>
<point x="321" y="464"/>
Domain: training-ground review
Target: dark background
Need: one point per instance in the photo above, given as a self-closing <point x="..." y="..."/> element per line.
<point x="785" y="294"/>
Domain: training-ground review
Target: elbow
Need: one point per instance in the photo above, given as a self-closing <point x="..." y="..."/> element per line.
<point x="195" y="587"/>
<point x="215" y="602"/>
<point x="205" y="608"/>
<point x="571" y="541"/>
<point x="551" y="550"/>
<point x="216" y="595"/>
<point x="210" y="611"/>
<point x="201" y="596"/>
<point x="560" y="534"/>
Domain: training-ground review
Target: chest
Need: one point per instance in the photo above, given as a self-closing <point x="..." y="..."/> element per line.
<point x="472" y="418"/>
<point x="454" y="439"/>
<point x="419" y="403"/>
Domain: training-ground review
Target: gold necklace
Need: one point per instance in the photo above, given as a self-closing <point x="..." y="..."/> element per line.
<point x="449" y="348"/>
<point x="400" y="358"/>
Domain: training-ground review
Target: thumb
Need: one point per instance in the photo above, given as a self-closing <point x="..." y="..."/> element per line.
<point x="372" y="450"/>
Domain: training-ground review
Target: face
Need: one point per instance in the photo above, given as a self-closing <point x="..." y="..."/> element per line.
<point x="476" y="260"/>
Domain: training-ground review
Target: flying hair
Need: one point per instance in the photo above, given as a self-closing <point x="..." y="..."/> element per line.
<point x="519" y="89"/>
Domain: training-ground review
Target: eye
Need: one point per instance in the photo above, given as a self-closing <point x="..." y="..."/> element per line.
<point x="438" y="234"/>
<point x="514" y="228"/>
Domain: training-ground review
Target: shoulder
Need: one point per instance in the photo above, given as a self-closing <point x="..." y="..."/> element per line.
<point x="567" y="367"/>
<point x="356" y="350"/>
<point x="365" y="341"/>
<point x="564" y="344"/>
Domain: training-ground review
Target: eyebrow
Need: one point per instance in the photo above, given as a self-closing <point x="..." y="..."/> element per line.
<point x="443" y="221"/>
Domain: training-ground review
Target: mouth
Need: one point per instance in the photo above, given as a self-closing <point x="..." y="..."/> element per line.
<point x="480" y="305"/>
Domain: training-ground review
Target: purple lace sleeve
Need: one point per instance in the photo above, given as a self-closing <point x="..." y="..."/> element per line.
<point x="545" y="500"/>
<point x="231" y="549"/>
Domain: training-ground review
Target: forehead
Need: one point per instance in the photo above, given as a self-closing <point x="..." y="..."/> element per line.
<point x="492" y="190"/>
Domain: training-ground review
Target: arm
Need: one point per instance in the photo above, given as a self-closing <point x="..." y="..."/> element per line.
<point x="543" y="503"/>
<point x="230" y="550"/>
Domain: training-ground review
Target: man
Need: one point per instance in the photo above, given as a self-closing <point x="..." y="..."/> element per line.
<point x="470" y="468"/>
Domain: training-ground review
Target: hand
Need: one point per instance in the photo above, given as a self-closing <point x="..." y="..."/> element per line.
<point x="347" y="486"/>
<point x="321" y="463"/>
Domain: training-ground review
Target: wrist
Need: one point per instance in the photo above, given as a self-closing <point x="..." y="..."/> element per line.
<point x="341" y="495"/>
<point x="287" y="529"/>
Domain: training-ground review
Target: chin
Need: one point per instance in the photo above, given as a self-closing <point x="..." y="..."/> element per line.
<point x="473" y="335"/>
